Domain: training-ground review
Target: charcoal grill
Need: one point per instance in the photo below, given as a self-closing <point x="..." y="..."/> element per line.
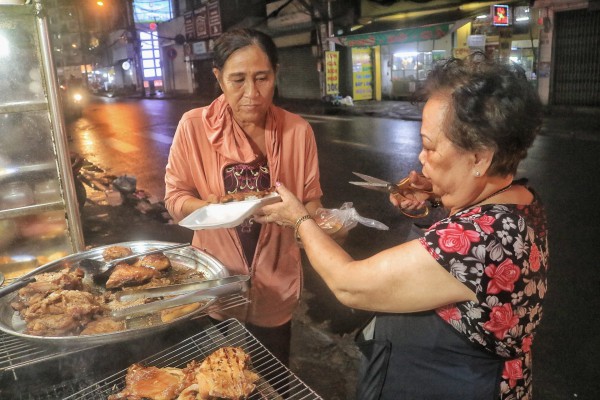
<point x="276" y="381"/>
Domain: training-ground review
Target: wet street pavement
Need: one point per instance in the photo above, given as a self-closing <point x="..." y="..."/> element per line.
<point x="560" y="166"/>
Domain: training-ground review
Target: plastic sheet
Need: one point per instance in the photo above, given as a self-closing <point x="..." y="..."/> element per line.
<point x="333" y="220"/>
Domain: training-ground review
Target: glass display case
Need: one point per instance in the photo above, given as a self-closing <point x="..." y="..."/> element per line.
<point x="39" y="216"/>
<point x="408" y="68"/>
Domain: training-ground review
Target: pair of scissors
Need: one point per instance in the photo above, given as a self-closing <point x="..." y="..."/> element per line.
<point x="381" y="185"/>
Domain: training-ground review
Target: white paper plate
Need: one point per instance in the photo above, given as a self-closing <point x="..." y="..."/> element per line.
<point x="228" y="215"/>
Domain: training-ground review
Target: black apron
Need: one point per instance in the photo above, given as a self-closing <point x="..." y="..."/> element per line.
<point x="419" y="356"/>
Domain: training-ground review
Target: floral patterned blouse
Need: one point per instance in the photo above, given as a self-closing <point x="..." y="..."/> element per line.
<point x="501" y="253"/>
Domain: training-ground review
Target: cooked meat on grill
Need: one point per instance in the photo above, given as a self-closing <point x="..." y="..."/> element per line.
<point x="128" y="275"/>
<point x="114" y="252"/>
<point x="190" y="371"/>
<point x="158" y="261"/>
<point x="224" y="374"/>
<point x="151" y="383"/>
<point x="190" y="392"/>
<point x="103" y="325"/>
<point x="61" y="312"/>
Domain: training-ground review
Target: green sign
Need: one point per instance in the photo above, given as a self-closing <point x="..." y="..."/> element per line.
<point x="396" y="37"/>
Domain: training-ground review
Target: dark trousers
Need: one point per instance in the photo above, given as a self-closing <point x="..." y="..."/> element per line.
<point x="277" y="340"/>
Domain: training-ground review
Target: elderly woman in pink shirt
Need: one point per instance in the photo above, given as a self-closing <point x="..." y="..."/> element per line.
<point x="241" y="142"/>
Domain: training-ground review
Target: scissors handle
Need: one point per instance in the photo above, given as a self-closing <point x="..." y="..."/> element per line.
<point x="405" y="184"/>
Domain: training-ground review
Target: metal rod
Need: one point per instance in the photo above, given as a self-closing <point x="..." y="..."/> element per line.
<point x="61" y="143"/>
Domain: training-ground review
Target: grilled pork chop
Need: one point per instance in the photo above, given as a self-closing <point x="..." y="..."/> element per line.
<point x="61" y="312"/>
<point x="241" y="196"/>
<point x="151" y="383"/>
<point x="103" y="325"/>
<point x="224" y="374"/>
<point x="127" y="275"/>
<point x="46" y="283"/>
<point x="158" y="261"/>
<point x="114" y="252"/>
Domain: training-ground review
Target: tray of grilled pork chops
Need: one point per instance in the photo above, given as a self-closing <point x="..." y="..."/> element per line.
<point x="224" y="361"/>
<point x="64" y="304"/>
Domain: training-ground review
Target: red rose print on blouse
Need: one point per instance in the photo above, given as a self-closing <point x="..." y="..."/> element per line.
<point x="534" y="258"/>
<point x="455" y="239"/>
<point x="449" y="313"/>
<point x="485" y="222"/>
<point x="526" y="343"/>
<point x="513" y="371"/>
<point x="503" y="277"/>
<point x="501" y="320"/>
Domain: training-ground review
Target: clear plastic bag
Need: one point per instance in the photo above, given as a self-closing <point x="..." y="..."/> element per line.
<point x="333" y="220"/>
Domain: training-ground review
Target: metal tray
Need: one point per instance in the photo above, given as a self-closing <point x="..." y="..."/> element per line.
<point x="276" y="381"/>
<point x="189" y="257"/>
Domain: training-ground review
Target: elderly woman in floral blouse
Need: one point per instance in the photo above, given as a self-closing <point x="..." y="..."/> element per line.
<point x="458" y="308"/>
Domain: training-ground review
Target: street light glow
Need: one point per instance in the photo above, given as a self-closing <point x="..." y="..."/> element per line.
<point x="100" y="3"/>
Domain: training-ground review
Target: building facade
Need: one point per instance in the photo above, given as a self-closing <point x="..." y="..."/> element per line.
<point x="569" y="53"/>
<point x="366" y="49"/>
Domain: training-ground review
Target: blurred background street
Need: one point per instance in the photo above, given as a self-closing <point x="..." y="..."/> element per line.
<point x="131" y="136"/>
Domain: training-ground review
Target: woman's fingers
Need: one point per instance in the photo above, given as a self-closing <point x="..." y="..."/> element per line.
<point x="419" y="181"/>
<point x="212" y="198"/>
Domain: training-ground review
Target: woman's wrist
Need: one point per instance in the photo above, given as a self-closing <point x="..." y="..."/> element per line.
<point x="299" y="222"/>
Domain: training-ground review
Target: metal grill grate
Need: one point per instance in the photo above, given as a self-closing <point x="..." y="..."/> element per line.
<point x="16" y="352"/>
<point x="277" y="382"/>
<point x="51" y="393"/>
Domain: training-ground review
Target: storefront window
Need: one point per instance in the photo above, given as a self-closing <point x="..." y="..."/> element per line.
<point x="414" y="65"/>
<point x="522" y="52"/>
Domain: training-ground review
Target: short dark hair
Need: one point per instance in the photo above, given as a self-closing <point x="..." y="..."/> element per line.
<point x="492" y="105"/>
<point x="236" y="39"/>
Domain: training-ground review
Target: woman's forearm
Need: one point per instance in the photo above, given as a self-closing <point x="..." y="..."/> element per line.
<point x="325" y="256"/>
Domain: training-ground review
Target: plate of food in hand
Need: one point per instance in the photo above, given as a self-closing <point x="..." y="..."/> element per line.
<point x="65" y="306"/>
<point x="230" y="212"/>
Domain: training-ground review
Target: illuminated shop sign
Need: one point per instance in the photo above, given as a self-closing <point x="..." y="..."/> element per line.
<point x="500" y="15"/>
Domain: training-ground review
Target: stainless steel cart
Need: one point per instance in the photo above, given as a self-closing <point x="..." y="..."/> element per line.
<point x="39" y="216"/>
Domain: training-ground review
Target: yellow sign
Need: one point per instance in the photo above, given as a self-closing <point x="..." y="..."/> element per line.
<point x="362" y="73"/>
<point x="332" y="70"/>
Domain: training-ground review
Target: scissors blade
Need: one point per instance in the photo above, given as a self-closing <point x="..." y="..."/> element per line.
<point x="380" y="187"/>
<point x="370" y="179"/>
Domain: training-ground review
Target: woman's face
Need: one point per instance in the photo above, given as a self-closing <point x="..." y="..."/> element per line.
<point x="248" y="83"/>
<point x="450" y="169"/>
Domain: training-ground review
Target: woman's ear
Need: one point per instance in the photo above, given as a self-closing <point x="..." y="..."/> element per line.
<point x="217" y="74"/>
<point x="483" y="160"/>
